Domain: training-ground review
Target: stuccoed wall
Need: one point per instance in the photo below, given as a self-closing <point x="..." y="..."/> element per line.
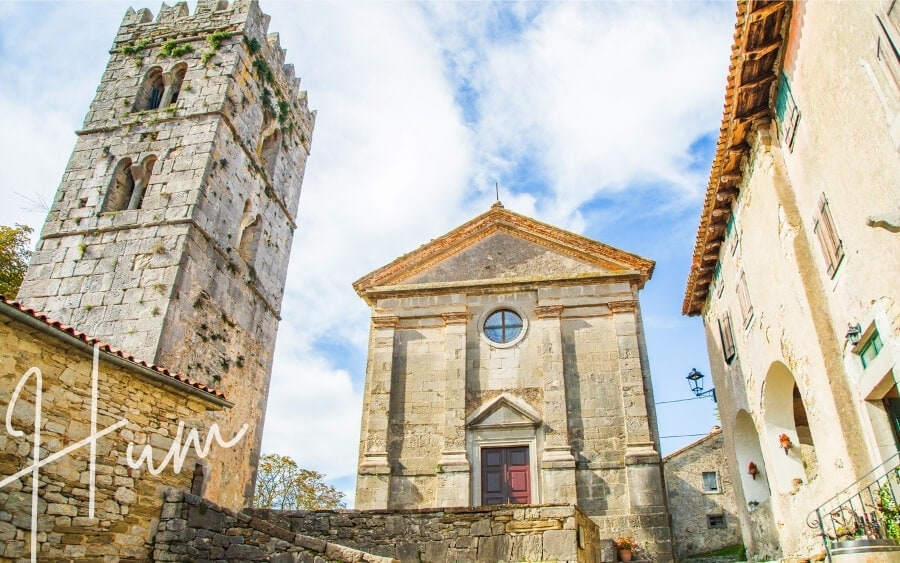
<point x="845" y="149"/>
<point x="127" y="500"/>
<point x="534" y="533"/>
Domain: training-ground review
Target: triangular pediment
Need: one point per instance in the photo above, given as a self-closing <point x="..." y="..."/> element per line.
<point x="504" y="411"/>
<point x="505" y="247"/>
<point x="502" y="255"/>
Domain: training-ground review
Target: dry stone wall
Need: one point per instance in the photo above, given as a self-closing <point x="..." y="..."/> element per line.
<point x="192" y="529"/>
<point x="127" y="500"/>
<point x="533" y="533"/>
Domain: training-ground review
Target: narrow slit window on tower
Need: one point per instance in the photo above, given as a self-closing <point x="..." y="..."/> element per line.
<point x="269" y="152"/>
<point x="249" y="241"/>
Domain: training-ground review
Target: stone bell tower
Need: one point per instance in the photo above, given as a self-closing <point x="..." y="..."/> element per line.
<point x="170" y="233"/>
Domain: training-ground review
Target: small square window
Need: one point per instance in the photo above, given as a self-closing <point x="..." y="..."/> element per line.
<point x="869" y="350"/>
<point x="715" y="521"/>
<point x="710" y="482"/>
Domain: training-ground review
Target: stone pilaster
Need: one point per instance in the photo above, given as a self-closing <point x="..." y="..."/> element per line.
<point x="557" y="462"/>
<point x="642" y="461"/>
<point x="374" y="468"/>
<point x="454" y="471"/>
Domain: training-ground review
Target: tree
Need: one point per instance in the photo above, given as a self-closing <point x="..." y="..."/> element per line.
<point x="280" y="484"/>
<point x="14" y="257"/>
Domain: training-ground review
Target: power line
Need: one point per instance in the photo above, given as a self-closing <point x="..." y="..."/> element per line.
<point x="677" y="401"/>
<point x="683" y="436"/>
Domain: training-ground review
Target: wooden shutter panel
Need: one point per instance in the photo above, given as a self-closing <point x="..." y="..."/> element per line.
<point x="832" y="247"/>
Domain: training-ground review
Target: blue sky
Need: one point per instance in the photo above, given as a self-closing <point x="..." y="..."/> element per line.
<point x="597" y="117"/>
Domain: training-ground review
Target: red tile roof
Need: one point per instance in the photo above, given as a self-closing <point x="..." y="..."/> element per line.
<point x="105" y="347"/>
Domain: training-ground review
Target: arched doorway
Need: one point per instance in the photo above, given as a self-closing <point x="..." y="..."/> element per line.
<point x="755" y="477"/>
<point x="794" y="461"/>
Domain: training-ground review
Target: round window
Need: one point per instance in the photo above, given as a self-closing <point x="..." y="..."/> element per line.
<point x="503" y="326"/>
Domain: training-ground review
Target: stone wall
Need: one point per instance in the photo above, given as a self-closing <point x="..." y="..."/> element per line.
<point x="193" y="529"/>
<point x="127" y="500"/>
<point x="690" y="504"/>
<point x="534" y="533"/>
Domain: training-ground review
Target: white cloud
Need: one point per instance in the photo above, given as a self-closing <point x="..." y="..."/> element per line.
<point x="421" y="108"/>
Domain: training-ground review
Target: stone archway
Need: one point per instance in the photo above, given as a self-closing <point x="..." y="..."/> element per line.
<point x="748" y="450"/>
<point x="784" y="413"/>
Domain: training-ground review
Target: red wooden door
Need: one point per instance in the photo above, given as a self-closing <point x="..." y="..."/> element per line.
<point x="505" y="476"/>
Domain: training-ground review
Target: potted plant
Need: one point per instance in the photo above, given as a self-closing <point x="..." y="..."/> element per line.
<point x="626" y="545"/>
<point x="785" y="442"/>
<point x="752" y="470"/>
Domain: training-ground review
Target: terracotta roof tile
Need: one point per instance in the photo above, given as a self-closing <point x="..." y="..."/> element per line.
<point x="106" y="347"/>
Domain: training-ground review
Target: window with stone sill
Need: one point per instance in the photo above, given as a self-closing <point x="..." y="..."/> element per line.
<point x="870" y="349"/>
<point x="710" y="482"/>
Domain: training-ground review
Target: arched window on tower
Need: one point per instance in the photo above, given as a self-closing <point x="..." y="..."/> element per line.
<point x="151" y="92"/>
<point x="141" y="176"/>
<point x="174" y="79"/>
<point x="268" y="154"/>
<point x="121" y="188"/>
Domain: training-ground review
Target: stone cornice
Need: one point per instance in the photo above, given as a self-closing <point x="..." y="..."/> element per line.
<point x="549" y="311"/>
<point x="385" y="321"/>
<point x="622" y="306"/>
<point x="497" y="285"/>
<point x="458" y="317"/>
<point x="499" y="219"/>
<point x="756" y="63"/>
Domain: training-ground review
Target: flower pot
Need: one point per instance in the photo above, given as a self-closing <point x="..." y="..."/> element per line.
<point x="625" y="554"/>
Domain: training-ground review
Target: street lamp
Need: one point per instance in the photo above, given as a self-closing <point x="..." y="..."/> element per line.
<point x="695" y="380"/>
<point x="854" y="333"/>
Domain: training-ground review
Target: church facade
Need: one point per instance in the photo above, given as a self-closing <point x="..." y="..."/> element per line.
<point x="507" y="365"/>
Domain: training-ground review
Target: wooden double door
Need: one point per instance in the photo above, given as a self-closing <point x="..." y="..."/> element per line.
<point x="505" y="475"/>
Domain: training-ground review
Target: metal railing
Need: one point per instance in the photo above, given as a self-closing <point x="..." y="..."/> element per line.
<point x="867" y="509"/>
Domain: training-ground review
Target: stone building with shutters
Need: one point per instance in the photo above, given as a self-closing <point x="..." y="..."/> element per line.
<point x="795" y="270"/>
<point x="507" y="365"/>
<point x="701" y="497"/>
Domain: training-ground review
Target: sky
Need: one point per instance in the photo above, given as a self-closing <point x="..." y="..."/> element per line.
<point x="597" y="117"/>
